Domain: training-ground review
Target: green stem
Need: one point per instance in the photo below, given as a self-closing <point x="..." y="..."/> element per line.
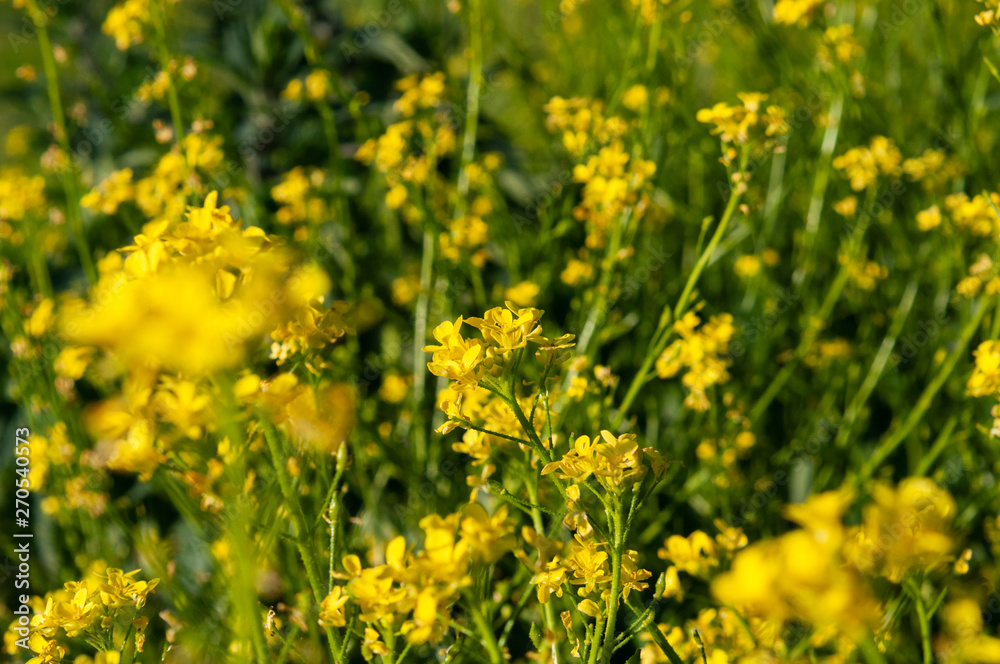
<point x="658" y="638"/>
<point x="161" y="47"/>
<point x="489" y="639"/>
<point x="298" y="525"/>
<point x="662" y="334"/>
<point x="939" y="444"/>
<point x="816" y="324"/>
<point x="472" y="94"/>
<point x="878" y="365"/>
<point x="819" y="186"/>
<point x="549" y="611"/>
<point x="924" y="619"/>
<point x="614" y="598"/>
<point x="419" y="339"/>
<point x="68" y="179"/>
<point x="886" y="447"/>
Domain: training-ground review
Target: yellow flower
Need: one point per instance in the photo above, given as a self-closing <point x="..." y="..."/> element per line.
<point x="747" y="266"/>
<point x="331" y="609"/>
<point x="456" y="358"/>
<point x="702" y="351"/>
<point x="488" y="537"/>
<point x="929" y="219"/>
<point x="126" y="21"/>
<point x="903" y="529"/>
<point x="114" y="190"/>
<point x="524" y="293"/>
<point x="635" y="98"/>
<point x="694" y="554"/>
<point x="795" y="12"/>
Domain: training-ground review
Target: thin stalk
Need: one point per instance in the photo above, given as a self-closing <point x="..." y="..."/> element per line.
<point x="549" y="612"/>
<point x="819" y="186"/>
<point x="489" y="639"/>
<point x="878" y="364"/>
<point x="161" y="47"/>
<point x="939" y="444"/>
<point x="614" y="598"/>
<point x="886" y="447"/>
<point x="472" y="94"/>
<point x="662" y="334"/>
<point x="419" y="338"/>
<point x="68" y="179"/>
<point x="925" y="622"/>
<point x="658" y="638"/>
<point x="299" y="527"/>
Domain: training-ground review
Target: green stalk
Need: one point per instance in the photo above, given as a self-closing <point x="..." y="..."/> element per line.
<point x="489" y="639"/>
<point x="549" y="611"/>
<point x="419" y="339"/>
<point x="614" y="598"/>
<point x="164" y="55"/>
<point x="924" y="620"/>
<point x="658" y="638"/>
<point x="878" y="365"/>
<point x="69" y="181"/>
<point x="886" y="447"/>
<point x="472" y="94"/>
<point x="298" y="526"/>
<point x="819" y="186"/>
<point x="662" y="334"/>
<point x="808" y="338"/>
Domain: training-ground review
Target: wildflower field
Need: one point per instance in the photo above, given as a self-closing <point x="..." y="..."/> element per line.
<point x="486" y="331"/>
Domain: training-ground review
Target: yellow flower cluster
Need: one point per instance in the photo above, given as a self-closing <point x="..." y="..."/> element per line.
<point x="586" y="565"/>
<point x="839" y="46"/>
<point x="615" y="179"/>
<point x="826" y="352"/>
<point x="412" y="593"/>
<point x="90" y="608"/>
<point x="976" y="215"/>
<point x="179" y="175"/>
<point x="796" y="12"/>
<point x="466" y="361"/>
<point x="189" y="300"/>
<point x="985" y="379"/>
<point x="822" y="574"/>
<point x="126" y="22"/>
<point x="581" y="123"/>
<point x="864" y="274"/>
<point x="316" y="86"/>
<point x="114" y="190"/>
<point x="22" y="200"/>
<point x="407" y="156"/>
<point x="613" y="182"/>
<point x="299" y="199"/>
<point x="701" y="351"/>
<point x="903" y="530"/>
<point x="321" y="416"/>
<point x="746" y="121"/>
<point x="21" y="195"/>
<point x="989" y="17"/>
<point x="963" y="639"/>
<point x="613" y="460"/>
<point x="802" y="575"/>
<point x="934" y="169"/>
<point x="863" y="165"/>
